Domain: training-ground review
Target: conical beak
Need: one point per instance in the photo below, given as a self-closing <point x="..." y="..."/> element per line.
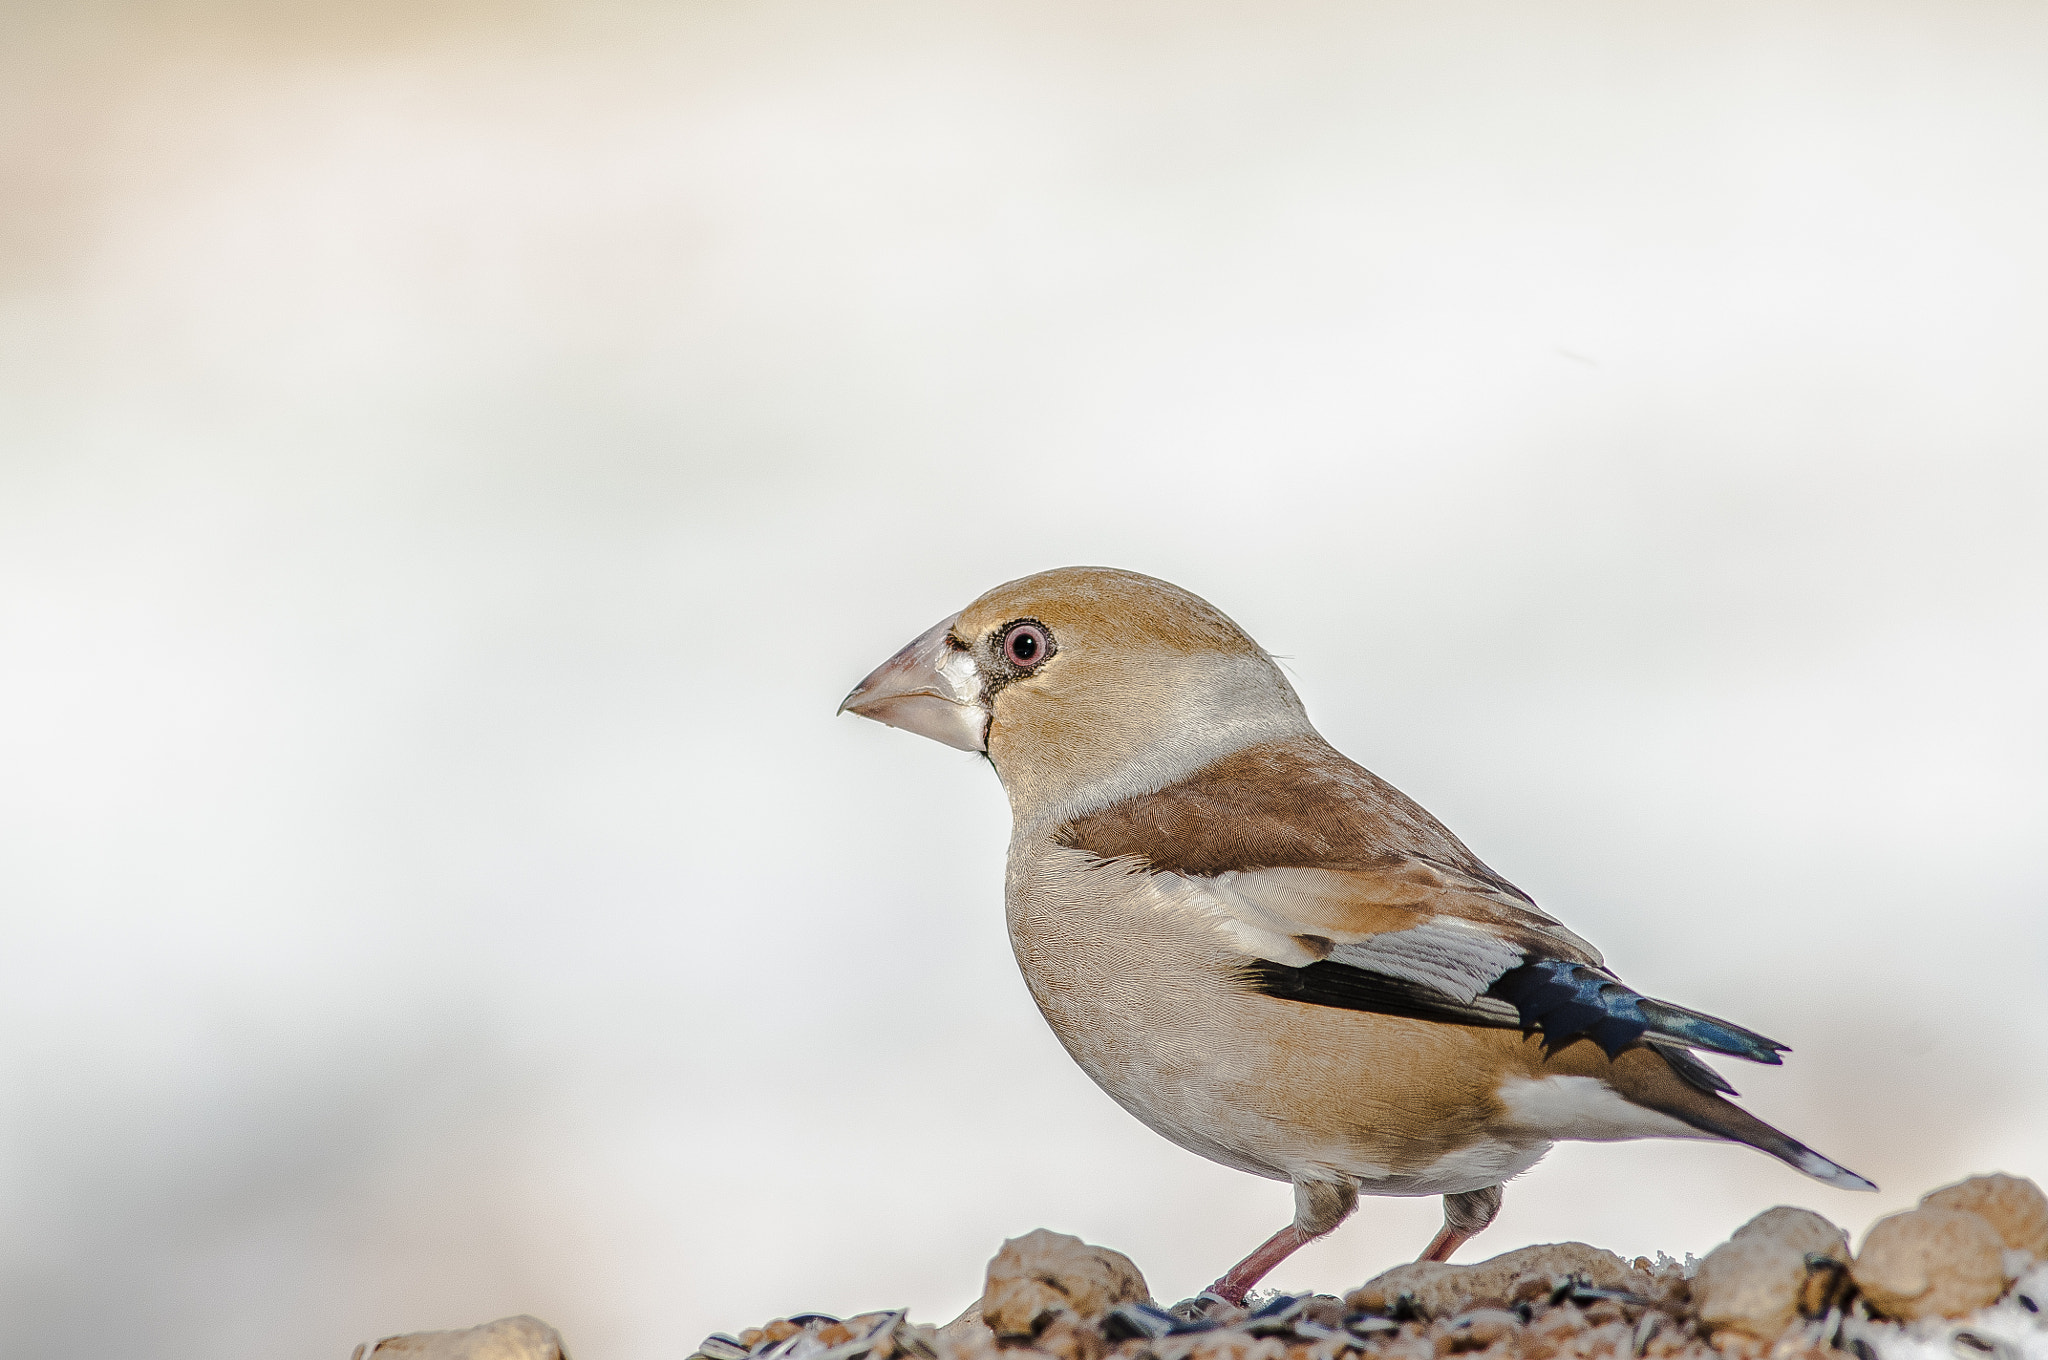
<point x="931" y="687"/>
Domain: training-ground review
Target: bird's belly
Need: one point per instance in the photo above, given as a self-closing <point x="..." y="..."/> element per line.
<point x="1143" y="996"/>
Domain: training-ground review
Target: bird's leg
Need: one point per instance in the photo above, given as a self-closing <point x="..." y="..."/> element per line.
<point x="1464" y="1216"/>
<point x="1319" y="1206"/>
<point x="1239" y="1279"/>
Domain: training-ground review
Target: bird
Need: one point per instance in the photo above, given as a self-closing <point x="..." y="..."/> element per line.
<point x="1267" y="953"/>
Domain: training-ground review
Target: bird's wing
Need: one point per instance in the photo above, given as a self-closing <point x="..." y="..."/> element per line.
<point x="1458" y="953"/>
<point x="1428" y="922"/>
<point x="1340" y="891"/>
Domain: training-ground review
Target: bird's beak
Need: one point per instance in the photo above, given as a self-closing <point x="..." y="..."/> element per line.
<point x="931" y="688"/>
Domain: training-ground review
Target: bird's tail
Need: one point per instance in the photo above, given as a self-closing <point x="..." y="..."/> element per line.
<point x="1656" y="1077"/>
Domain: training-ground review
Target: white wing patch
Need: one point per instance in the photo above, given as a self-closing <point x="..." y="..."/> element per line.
<point x="1457" y="959"/>
<point x="1260" y="934"/>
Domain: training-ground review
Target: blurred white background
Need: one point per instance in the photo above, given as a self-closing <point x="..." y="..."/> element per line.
<point x="454" y="457"/>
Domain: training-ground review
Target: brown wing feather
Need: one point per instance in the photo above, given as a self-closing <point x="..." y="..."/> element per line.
<point x="1323" y="841"/>
<point x="1290" y="804"/>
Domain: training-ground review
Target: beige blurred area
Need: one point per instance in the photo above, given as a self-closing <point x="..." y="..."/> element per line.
<point x="454" y="457"/>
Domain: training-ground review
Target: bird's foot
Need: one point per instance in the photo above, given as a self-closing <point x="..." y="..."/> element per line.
<point x="1206" y="1306"/>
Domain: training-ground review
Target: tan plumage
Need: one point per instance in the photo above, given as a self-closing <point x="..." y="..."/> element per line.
<point x="1262" y="950"/>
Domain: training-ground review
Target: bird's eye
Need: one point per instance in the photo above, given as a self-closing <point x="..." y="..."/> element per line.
<point x="1026" y="644"/>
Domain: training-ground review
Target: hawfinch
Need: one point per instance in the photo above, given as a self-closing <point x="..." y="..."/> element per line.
<point x="1266" y="952"/>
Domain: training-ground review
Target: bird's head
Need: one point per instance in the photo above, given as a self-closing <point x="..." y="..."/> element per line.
<point x="1085" y="685"/>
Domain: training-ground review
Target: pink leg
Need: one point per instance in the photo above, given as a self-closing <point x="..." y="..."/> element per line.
<point x="1446" y="1241"/>
<point x="1239" y="1279"/>
<point x="1319" y="1206"/>
<point x="1465" y="1216"/>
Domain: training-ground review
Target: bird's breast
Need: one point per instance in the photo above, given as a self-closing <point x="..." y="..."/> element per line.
<point x="1140" y="985"/>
